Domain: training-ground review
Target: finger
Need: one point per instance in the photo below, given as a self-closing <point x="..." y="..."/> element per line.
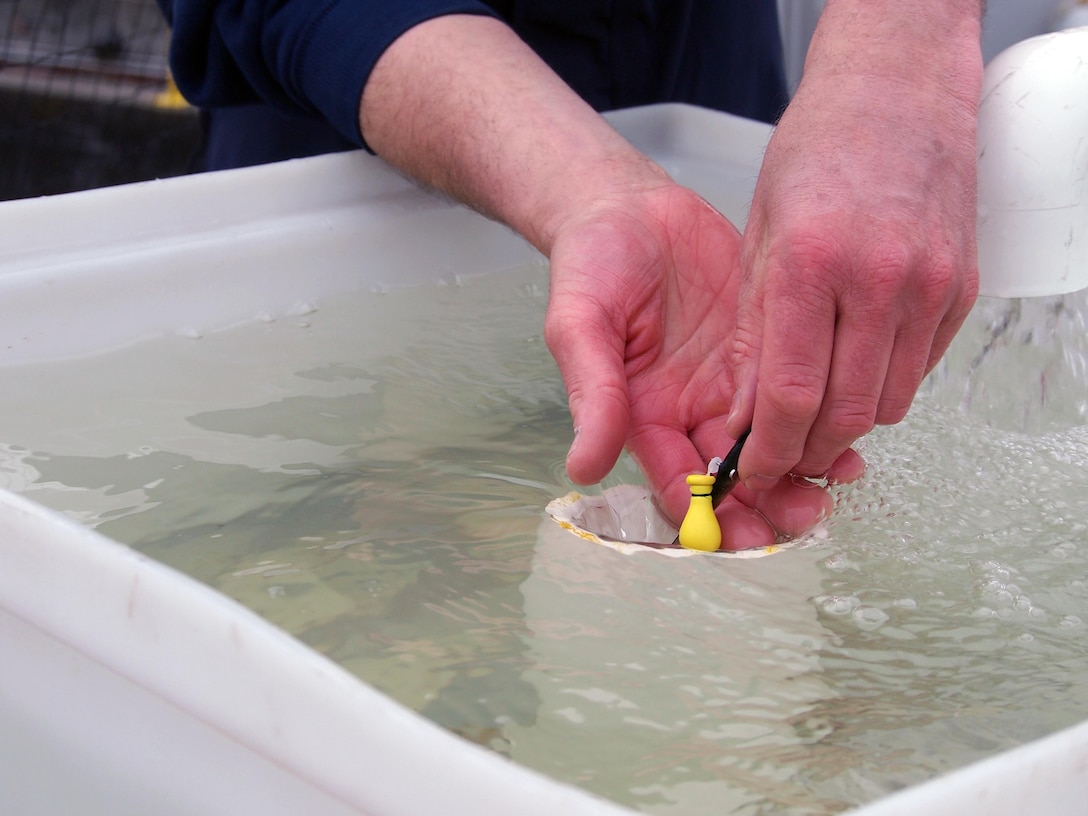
<point x="794" y="367"/>
<point x="747" y="342"/>
<point x="848" y="468"/>
<point x="920" y="345"/>
<point x="667" y="457"/>
<point x="953" y="320"/>
<point x="744" y="528"/>
<point x="859" y="371"/>
<point x="791" y="508"/>
<point x="712" y="439"/>
<point x="756" y="518"/>
<point x="906" y="369"/>
<point x="589" y="354"/>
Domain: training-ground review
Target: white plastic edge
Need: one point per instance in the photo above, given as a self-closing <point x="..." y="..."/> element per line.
<point x="1048" y="776"/>
<point x="157" y="628"/>
<point x="205" y="654"/>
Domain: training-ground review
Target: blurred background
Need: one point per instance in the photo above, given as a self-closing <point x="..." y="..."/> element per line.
<point x="85" y="98"/>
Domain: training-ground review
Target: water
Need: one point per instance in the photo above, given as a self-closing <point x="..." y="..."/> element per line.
<point x="1020" y="364"/>
<point x="371" y="474"/>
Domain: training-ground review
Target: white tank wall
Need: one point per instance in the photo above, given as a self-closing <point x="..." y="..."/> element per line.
<point x="126" y="688"/>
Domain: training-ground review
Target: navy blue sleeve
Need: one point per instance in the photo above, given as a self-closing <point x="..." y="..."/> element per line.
<point x="308" y="55"/>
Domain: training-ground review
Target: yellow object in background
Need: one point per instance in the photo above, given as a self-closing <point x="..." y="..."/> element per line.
<point x="170" y="97"/>
<point x="700" y="529"/>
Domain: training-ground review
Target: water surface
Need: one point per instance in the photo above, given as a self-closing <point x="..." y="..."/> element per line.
<point x="370" y="474"/>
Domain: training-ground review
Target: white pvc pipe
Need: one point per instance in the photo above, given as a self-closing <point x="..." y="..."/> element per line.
<point x="1033" y="168"/>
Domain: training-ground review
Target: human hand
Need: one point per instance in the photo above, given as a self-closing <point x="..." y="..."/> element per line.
<point x="644" y="273"/>
<point x="643" y="294"/>
<point x="859" y="263"/>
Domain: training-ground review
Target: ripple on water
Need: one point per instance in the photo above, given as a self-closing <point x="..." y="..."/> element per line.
<point x="373" y="481"/>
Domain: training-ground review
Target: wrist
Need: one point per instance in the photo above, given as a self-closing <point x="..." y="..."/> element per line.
<point x="929" y="47"/>
<point x="462" y="104"/>
<point x="591" y="181"/>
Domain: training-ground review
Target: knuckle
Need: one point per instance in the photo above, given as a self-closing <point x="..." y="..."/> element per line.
<point x="807" y="266"/>
<point x="813" y="465"/>
<point x="833" y="434"/>
<point x="969" y="294"/>
<point x="775" y="459"/>
<point x="941" y="288"/>
<point x="561" y="327"/>
<point x="796" y="391"/>
<point x="849" y="420"/>
<point x="898" y="394"/>
<point x="891" y="260"/>
<point x="555" y="327"/>
<point x="746" y="344"/>
<point x="892" y="410"/>
<point x="810" y="246"/>
<point x="934" y="272"/>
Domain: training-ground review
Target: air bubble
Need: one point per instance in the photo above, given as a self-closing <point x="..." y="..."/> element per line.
<point x="840" y="562"/>
<point x="302" y="308"/>
<point x="1022" y="603"/>
<point x="870" y="617"/>
<point x="838" y="604"/>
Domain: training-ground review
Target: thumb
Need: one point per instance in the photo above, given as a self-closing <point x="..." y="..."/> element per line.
<point x="747" y="344"/>
<point x="590" y="356"/>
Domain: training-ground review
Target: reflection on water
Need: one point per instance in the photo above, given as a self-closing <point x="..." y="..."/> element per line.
<point x="372" y="478"/>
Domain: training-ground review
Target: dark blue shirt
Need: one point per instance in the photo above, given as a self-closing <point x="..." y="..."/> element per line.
<point x="283" y="78"/>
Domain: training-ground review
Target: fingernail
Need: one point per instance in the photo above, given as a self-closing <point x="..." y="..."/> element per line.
<point x="574" y="442"/>
<point x="734" y="409"/>
<point x="758" y="481"/>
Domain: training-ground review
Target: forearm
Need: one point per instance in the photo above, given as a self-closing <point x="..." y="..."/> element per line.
<point x="861" y="236"/>
<point x="930" y="46"/>
<point x="891" y="92"/>
<point x="460" y="103"/>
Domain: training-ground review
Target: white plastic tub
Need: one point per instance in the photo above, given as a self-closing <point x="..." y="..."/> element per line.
<point x="128" y="688"/>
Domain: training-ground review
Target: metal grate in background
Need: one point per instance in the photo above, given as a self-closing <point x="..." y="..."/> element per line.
<point x="84" y="99"/>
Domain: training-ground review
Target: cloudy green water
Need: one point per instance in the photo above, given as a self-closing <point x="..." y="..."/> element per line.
<point x="370" y="474"/>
